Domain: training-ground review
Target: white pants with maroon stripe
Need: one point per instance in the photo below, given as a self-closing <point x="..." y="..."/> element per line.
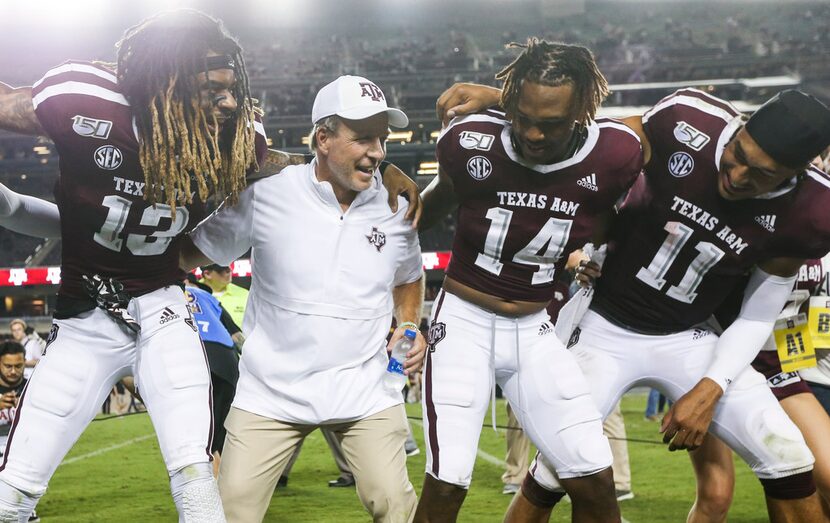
<point x="748" y="418"/>
<point x="88" y="355"/>
<point x="540" y="379"/>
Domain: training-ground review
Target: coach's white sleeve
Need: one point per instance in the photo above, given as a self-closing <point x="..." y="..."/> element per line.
<point x="227" y="234"/>
<point x="29" y="215"/>
<point x="764" y="298"/>
<point x="411" y="267"/>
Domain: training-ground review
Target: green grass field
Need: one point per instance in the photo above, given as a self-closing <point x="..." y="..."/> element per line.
<point x="115" y="473"/>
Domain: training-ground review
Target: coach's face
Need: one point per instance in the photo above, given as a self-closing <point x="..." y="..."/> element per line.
<point x="747" y="171"/>
<point x="544" y="121"/>
<point x="11" y="368"/>
<point x="349" y="156"/>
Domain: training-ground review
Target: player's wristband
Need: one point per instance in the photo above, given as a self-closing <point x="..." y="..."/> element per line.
<point x="408" y="324"/>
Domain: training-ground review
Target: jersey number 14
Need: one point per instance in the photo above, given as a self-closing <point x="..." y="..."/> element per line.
<point x="554" y="234"/>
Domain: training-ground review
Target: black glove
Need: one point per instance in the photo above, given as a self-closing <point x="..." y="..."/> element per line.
<point x="110" y="296"/>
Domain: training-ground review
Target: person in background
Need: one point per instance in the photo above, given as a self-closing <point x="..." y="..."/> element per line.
<point x="32" y="343"/>
<point x="232" y="297"/>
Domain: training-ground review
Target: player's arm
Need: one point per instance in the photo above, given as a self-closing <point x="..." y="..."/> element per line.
<point x="17" y="112"/>
<point x="439" y="200"/>
<point x="399" y="184"/>
<point x="464" y="98"/>
<point x="635" y="123"/>
<point x="275" y="161"/>
<point x="408" y="299"/>
<point x="766" y="294"/>
<point x="28" y="215"/>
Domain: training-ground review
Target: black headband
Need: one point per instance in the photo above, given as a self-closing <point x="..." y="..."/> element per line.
<point x="219" y="62"/>
<point x="792" y="127"/>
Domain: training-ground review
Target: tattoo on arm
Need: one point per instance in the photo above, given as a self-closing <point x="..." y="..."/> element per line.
<point x="17" y="114"/>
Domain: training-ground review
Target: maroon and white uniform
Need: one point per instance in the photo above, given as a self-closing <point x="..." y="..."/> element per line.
<point x="676" y="252"/>
<point x="516" y="224"/>
<point x="109" y="229"/>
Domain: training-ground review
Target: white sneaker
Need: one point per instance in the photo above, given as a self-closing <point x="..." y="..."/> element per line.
<point x="623" y="495"/>
<point x="510" y="488"/>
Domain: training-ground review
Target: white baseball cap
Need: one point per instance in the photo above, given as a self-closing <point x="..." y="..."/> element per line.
<point x="354" y="98"/>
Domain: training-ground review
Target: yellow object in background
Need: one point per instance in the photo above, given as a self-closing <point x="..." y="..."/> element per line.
<point x="794" y="343"/>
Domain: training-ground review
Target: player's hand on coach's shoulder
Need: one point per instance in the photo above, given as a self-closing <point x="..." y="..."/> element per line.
<point x="685" y="424"/>
<point x="465" y="98"/>
<point x="399" y="184"/>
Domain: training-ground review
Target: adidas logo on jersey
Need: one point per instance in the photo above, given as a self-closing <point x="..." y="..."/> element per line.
<point x="167" y="315"/>
<point x="545" y="329"/>
<point x="767" y="221"/>
<point x="589" y="182"/>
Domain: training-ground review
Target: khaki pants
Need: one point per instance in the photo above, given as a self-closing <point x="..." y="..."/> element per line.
<point x="614" y="429"/>
<point x="518" y="448"/>
<point x="257" y="449"/>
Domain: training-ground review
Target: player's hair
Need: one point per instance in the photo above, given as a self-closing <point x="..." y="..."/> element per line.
<point x="555" y="64"/>
<point x="11" y="347"/>
<point x="329" y="123"/>
<point x="158" y="60"/>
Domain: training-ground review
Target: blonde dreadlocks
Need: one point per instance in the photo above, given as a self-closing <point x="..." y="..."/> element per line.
<point x="158" y="61"/>
<point x="555" y="64"/>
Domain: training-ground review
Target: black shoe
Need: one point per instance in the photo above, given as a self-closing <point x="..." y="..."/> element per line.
<point x="342" y="482"/>
<point x="282" y="482"/>
<point x="34" y="518"/>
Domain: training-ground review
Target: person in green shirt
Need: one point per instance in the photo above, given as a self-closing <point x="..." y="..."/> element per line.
<point x="232" y="297"/>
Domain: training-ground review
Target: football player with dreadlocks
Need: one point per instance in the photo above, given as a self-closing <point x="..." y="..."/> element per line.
<point x="531" y="184"/>
<point x="142" y="145"/>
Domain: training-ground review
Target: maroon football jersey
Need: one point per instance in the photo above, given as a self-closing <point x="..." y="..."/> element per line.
<point x="678" y="249"/>
<point x="107" y="227"/>
<point x="517" y="221"/>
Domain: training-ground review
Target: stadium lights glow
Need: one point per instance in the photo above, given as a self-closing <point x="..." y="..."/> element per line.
<point x="427" y="168"/>
<point x="55" y="13"/>
<point x="41" y="149"/>
<point x="400" y="136"/>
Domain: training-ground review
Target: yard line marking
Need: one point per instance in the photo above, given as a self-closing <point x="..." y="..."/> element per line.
<point x="106" y="449"/>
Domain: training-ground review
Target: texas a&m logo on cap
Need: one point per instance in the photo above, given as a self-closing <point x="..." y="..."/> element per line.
<point x="371" y="90"/>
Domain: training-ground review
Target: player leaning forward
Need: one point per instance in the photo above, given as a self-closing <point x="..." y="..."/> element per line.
<point x="719" y="197"/>
<point x="130" y="139"/>
<point x="325" y="286"/>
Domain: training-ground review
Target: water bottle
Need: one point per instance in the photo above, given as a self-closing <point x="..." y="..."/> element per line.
<point x="394" y="378"/>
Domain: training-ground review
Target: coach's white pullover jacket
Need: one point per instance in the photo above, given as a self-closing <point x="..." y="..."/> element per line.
<point x="320" y="304"/>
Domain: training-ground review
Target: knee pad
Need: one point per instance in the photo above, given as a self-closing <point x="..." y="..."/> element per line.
<point x="787" y="452"/>
<point x="196" y="494"/>
<point x="15" y="505"/>
<point x="797" y="486"/>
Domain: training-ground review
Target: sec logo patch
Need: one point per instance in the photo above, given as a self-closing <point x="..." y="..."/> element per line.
<point x="108" y="157"/>
<point x="479" y="167"/>
<point x="681" y="164"/>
